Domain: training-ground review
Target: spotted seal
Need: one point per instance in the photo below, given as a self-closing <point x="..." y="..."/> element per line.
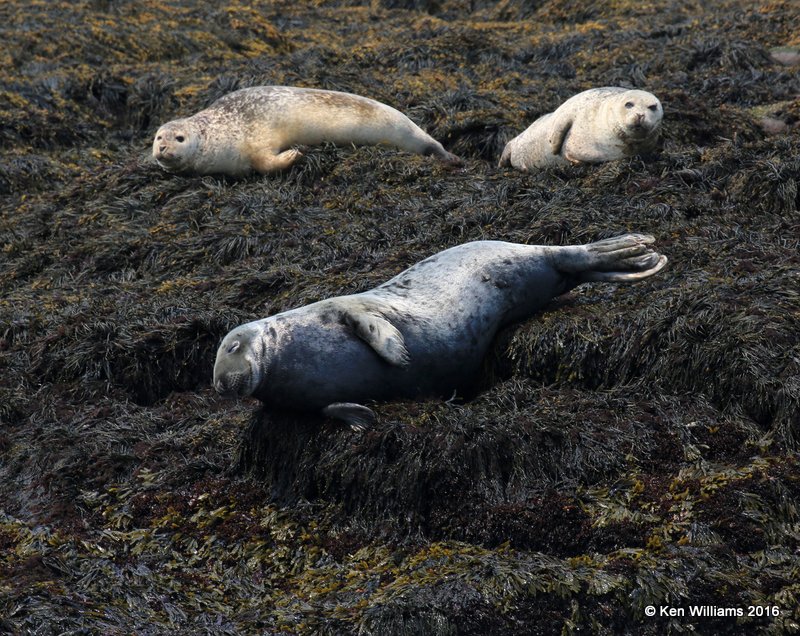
<point x="423" y="333"/>
<point x="601" y="124"/>
<point x="256" y="129"/>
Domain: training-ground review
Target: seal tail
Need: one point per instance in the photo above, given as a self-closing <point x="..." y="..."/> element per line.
<point x="621" y="259"/>
<point x="437" y="150"/>
<point x="451" y="160"/>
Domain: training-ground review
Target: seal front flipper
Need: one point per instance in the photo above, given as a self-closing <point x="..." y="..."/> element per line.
<point x="379" y="334"/>
<point x="357" y="416"/>
<point x="559" y="129"/>
<point x="266" y="161"/>
<point x="505" y="158"/>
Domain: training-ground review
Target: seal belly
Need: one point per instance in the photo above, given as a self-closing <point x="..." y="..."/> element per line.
<point x="350" y="119"/>
<point x="325" y="363"/>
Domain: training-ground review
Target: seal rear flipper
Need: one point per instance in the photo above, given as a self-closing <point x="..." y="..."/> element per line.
<point x="619" y="254"/>
<point x="643" y="266"/>
<point x="620" y="259"/>
<point x="379" y="334"/>
<point x="451" y="160"/>
<point x="437" y="150"/>
<point x="357" y="416"/>
<point x="617" y="243"/>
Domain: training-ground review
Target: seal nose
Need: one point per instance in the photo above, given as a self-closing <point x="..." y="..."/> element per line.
<point x="224" y="390"/>
<point x="162" y="148"/>
<point x="639" y="118"/>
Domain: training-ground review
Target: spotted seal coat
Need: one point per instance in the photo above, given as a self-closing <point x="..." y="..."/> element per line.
<point x="423" y="333"/>
<point x="257" y="129"/>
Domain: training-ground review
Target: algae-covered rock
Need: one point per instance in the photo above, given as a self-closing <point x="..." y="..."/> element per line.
<point x="630" y="446"/>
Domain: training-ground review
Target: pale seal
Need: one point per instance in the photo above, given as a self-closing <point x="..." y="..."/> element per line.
<point x="423" y="333"/>
<point x="601" y="124"/>
<point x="257" y="129"/>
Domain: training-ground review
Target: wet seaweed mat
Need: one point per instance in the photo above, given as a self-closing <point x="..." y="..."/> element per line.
<point x="630" y="447"/>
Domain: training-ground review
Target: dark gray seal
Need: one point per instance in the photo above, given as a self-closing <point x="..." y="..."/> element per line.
<point x="425" y="332"/>
<point x="257" y="129"/>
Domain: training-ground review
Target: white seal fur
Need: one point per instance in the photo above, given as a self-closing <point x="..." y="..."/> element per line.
<point x="601" y="124"/>
<point x="256" y="129"/>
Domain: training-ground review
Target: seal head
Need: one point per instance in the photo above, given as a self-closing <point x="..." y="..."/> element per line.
<point x="176" y="144"/>
<point x="637" y="114"/>
<point x="239" y="367"/>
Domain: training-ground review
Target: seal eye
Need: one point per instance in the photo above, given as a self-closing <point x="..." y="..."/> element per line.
<point x="179" y="139"/>
<point x="628" y="104"/>
<point x="234" y="346"/>
<point x="653" y="107"/>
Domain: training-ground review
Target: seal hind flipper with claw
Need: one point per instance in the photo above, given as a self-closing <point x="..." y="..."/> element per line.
<point x="620" y="259"/>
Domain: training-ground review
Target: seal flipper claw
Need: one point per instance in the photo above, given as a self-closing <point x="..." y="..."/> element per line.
<point x="359" y="417"/>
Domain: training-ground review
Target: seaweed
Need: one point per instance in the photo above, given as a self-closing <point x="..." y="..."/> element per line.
<point x="629" y="446"/>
